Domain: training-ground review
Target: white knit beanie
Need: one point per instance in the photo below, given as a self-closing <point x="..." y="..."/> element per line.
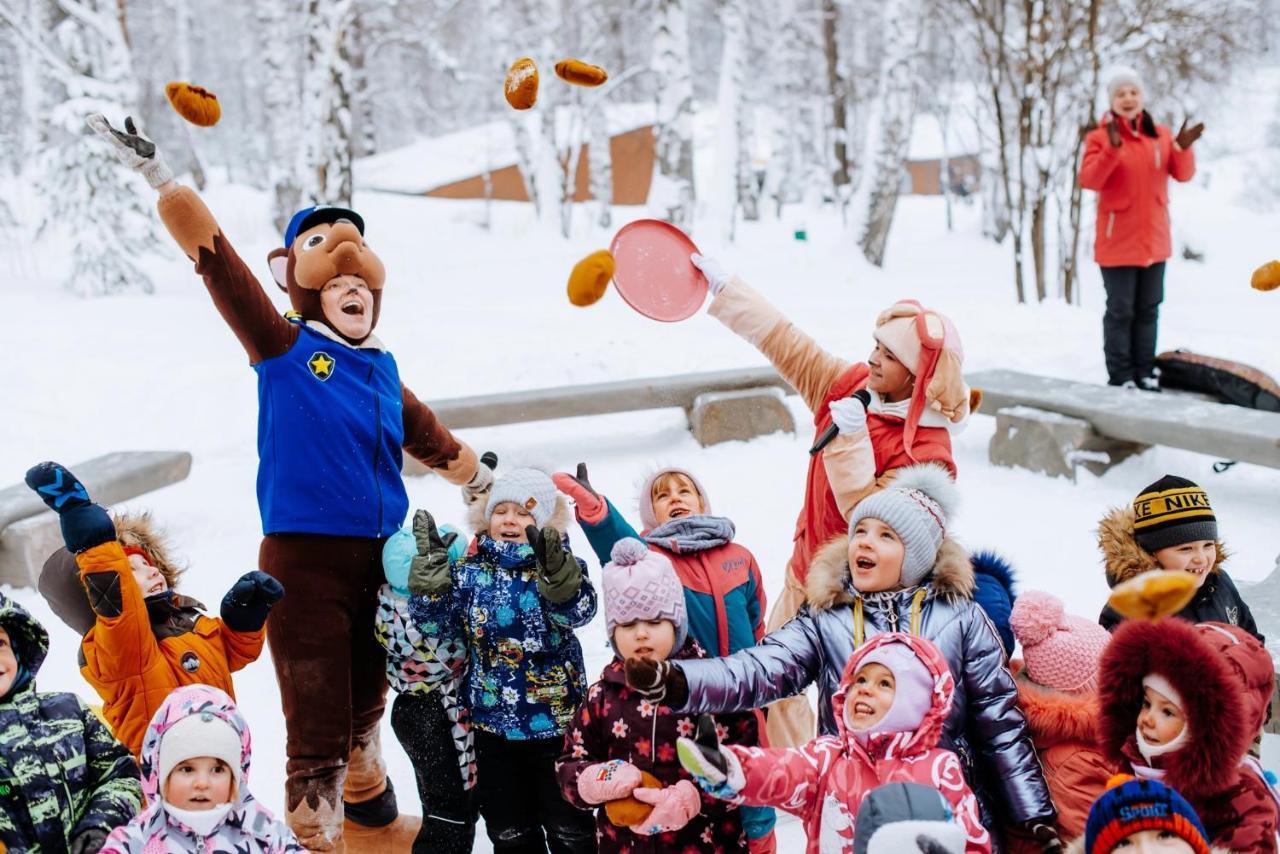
<point x="1123" y="75"/>
<point x="199" y="734"/>
<point x="916" y="506"/>
<point x="531" y="488"/>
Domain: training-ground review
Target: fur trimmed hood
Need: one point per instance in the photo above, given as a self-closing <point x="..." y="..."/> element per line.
<point x="1055" y="716"/>
<point x="1122" y="557"/>
<point x="137" y="529"/>
<point x="1218" y="712"/>
<point x="829" y="584"/>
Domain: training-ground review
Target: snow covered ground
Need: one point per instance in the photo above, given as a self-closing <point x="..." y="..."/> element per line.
<point x="469" y="311"/>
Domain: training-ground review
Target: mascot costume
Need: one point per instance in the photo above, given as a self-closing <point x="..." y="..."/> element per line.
<point x="333" y="420"/>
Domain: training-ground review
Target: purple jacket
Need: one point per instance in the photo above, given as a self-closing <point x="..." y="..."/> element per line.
<point x="985" y="727"/>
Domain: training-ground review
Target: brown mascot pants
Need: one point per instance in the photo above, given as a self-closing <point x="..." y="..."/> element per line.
<point x="332" y="675"/>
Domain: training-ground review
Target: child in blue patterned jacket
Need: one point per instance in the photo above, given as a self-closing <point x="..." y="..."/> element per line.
<point x="514" y="600"/>
<point x="428" y="716"/>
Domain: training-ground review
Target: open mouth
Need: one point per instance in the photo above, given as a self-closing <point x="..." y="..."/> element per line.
<point x="865" y="563"/>
<point x="509" y="536"/>
<point x="679" y="512"/>
<point x="353" y="307"/>
<point x="643" y="652"/>
<point x="862" y="710"/>
<point x="158" y="587"/>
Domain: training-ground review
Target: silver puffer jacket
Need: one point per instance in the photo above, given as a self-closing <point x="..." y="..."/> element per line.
<point x="985" y="728"/>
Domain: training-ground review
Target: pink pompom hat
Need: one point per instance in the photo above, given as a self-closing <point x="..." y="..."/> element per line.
<point x="1061" y="650"/>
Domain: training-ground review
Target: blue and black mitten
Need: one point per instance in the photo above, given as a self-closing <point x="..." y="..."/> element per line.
<point x="249" y="601"/>
<point x="84" y="524"/>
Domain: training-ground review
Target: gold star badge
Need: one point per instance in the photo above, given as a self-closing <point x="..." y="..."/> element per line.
<point x="321" y="365"/>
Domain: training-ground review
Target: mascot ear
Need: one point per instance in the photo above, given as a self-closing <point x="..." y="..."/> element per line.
<point x="278" y="261"/>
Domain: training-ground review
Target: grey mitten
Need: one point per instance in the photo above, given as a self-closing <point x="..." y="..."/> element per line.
<point x="132" y="149"/>
<point x="429" y="568"/>
<point x="559" y="575"/>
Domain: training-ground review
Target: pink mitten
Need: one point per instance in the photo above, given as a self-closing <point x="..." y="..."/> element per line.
<point x="673" y="807"/>
<point x="591" y="508"/>
<point x="607" y="781"/>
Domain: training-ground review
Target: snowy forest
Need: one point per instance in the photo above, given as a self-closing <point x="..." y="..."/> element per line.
<point x="814" y="101"/>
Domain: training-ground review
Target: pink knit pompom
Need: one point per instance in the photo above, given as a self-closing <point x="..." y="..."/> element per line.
<point x="629" y="552"/>
<point x="1036" y="616"/>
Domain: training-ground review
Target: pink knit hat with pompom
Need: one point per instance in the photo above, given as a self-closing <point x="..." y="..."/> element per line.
<point x="641" y="584"/>
<point x="1061" y="650"/>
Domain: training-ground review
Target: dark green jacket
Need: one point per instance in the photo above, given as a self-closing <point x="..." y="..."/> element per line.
<point x="61" y="771"/>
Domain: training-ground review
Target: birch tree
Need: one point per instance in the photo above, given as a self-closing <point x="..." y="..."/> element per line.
<point x="100" y="210"/>
<point x="326" y="103"/>
<point x="673" y="188"/>
<point x="895" y="118"/>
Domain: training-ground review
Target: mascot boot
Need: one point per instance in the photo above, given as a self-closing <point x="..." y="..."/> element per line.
<point x="373" y="822"/>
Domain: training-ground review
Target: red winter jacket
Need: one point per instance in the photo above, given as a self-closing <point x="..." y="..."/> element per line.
<point x="1224" y="676"/>
<point x="1132" y="183"/>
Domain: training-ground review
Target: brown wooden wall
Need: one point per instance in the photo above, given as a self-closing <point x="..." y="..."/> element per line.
<point x="926" y="175"/>
<point x="633" y="158"/>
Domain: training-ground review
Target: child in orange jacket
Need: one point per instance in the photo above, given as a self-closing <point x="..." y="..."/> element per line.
<point x="141" y="638"/>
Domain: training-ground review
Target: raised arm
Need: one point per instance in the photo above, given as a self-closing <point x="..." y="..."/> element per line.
<point x="805" y="365"/>
<point x="1101" y="157"/>
<point x="427" y="440"/>
<point x="236" y="293"/>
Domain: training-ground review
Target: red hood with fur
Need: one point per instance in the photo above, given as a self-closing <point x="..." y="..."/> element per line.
<point x="1215" y="668"/>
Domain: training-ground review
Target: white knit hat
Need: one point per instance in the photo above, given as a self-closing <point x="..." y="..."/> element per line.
<point x="1122" y="75"/>
<point x="531" y="488"/>
<point x="200" y="734"/>
<point x="916" y="506"/>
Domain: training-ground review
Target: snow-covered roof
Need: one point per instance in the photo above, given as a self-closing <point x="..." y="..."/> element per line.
<point x="436" y="161"/>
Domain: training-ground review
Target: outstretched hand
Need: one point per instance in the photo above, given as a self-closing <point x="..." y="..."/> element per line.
<point x="1187" y="136"/>
<point x="1113" y="131"/>
<point x="132" y="149"/>
<point x="588" y="504"/>
<point x="429" y="573"/>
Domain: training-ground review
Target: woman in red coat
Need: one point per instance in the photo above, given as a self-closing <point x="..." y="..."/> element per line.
<point x="1128" y="159"/>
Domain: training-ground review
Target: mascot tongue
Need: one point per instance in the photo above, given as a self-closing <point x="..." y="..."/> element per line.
<point x="301" y="270"/>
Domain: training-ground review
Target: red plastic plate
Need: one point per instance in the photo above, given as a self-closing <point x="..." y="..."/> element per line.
<point x="652" y="271"/>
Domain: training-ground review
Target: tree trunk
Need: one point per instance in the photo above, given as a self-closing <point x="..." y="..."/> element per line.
<point x="896" y="117"/>
<point x="180" y="12"/>
<point x="837" y="94"/>
<point x="673" y="189"/>
<point x="279" y="39"/>
<point x="600" y="164"/>
<point x="326" y="107"/>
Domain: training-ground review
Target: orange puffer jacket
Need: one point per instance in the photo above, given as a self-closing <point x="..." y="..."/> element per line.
<point x="135" y="659"/>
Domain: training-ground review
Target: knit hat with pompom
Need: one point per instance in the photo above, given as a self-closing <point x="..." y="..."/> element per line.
<point x="641" y="584"/>
<point x="1061" y="650"/>
<point x="916" y="504"/>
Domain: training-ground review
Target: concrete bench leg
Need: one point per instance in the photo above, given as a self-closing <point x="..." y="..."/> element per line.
<point x="1053" y="444"/>
<point x="722" y="416"/>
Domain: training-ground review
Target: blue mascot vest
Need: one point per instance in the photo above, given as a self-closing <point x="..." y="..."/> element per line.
<point x="330" y="432"/>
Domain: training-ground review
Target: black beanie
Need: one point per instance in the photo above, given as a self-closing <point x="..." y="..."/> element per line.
<point x="1170" y="512"/>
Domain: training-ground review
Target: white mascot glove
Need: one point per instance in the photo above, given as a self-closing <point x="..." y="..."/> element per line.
<point x="132" y="149"/>
<point x="717" y="275"/>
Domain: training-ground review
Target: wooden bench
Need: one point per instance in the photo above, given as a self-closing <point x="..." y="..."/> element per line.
<point x="29" y="531"/>
<point x="1055" y="425"/>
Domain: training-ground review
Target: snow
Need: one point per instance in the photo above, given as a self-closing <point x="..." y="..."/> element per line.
<point x="470" y="311"/>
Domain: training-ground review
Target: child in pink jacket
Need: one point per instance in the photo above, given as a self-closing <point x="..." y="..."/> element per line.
<point x="894" y="695"/>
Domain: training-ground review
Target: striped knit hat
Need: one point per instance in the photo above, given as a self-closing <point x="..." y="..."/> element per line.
<point x="1130" y="806"/>
<point x="916" y="505"/>
<point x="1170" y="512"/>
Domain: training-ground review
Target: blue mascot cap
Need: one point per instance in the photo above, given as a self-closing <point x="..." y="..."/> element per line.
<point x="317" y="214"/>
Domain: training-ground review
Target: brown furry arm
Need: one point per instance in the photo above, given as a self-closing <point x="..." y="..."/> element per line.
<point x="432" y="443"/>
<point x="236" y="293"/>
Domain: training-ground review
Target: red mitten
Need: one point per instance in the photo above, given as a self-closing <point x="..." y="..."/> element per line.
<point x="591" y="508"/>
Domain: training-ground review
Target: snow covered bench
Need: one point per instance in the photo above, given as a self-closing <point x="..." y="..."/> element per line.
<point x="1054" y="425"/>
<point x="729" y="400"/>
<point x="29" y="532"/>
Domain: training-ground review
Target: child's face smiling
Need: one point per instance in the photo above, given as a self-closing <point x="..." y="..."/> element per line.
<point x="201" y="783"/>
<point x="508" y="522"/>
<point x="149" y="579"/>
<point x="652" y="640"/>
<point x="1159" y="720"/>
<point x="8" y="662"/>
<point x="1196" y="557"/>
<point x="888" y="377"/>
<point x="875" y="556"/>
<point x="675" y="496"/>
<point x="870" y="698"/>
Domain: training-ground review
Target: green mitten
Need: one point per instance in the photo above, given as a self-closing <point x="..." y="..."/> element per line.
<point x="559" y="575"/>
<point x="429" y="569"/>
